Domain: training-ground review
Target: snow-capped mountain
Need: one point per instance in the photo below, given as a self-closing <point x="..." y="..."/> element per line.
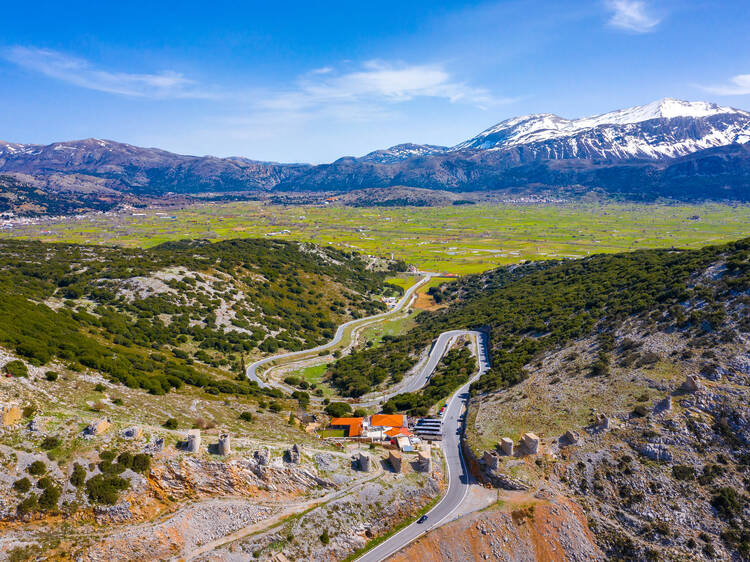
<point x="402" y="152"/>
<point x="668" y="148"/>
<point x="663" y="129"/>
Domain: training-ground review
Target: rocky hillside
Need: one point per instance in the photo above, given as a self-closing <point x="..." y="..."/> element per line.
<point x="186" y="312"/>
<point x="634" y="371"/>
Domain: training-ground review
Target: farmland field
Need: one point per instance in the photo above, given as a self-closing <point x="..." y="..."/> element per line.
<point x="456" y="240"/>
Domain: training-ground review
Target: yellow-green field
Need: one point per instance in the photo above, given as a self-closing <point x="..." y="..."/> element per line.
<point x="462" y="239"/>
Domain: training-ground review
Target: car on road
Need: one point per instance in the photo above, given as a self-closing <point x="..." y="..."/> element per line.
<point x="422" y="519"/>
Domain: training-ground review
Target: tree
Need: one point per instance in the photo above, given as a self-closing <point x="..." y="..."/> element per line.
<point x="338" y="409"/>
<point x="324" y="538"/>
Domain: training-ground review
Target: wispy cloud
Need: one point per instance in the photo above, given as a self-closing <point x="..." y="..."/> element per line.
<point x="738" y="86"/>
<point x="376" y="84"/>
<point x="632" y="15"/>
<point x="80" y="72"/>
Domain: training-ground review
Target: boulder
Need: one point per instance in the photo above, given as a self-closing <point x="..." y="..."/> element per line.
<point x="692" y="384"/>
<point x="571" y="437"/>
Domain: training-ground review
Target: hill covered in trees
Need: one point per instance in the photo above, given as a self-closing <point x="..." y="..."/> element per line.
<point x="532" y="308"/>
<point x="178" y="313"/>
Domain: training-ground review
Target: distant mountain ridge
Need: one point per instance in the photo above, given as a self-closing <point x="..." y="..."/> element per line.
<point x="668" y="148"/>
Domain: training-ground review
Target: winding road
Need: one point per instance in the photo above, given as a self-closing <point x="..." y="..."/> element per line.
<point x="252" y="370"/>
<point x="459" y="479"/>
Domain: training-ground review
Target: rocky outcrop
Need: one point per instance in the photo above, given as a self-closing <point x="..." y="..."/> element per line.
<point x="549" y="529"/>
<point x="191" y="476"/>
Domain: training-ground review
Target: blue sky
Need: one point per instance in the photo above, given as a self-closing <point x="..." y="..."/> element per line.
<point x="306" y="81"/>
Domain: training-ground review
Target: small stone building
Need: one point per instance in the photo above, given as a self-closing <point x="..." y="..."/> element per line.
<point x="133" y="432"/>
<point x="97" y="427"/>
<point x="395" y="460"/>
<point x="506" y="446"/>
<point x="364" y="462"/>
<point x="530" y="443"/>
<point x="193" y="440"/>
<point x="424" y="461"/>
<point x="224" y="447"/>
<point x="10" y="414"/>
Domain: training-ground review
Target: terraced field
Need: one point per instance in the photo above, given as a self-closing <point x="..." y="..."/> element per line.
<point x="463" y="239"/>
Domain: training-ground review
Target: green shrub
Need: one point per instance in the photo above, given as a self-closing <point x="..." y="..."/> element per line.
<point x="44" y="482"/>
<point x="141" y="463"/>
<point x="37" y="468"/>
<point x="117" y="401"/>
<point x="29" y="411"/>
<point x="50" y="442"/>
<point x="324" y="538"/>
<point x="105" y="488"/>
<point x="727" y="502"/>
<point x="275" y="407"/>
<point x="22" y="486"/>
<point x="246" y="416"/>
<point x="640" y="411"/>
<point x="78" y="476"/>
<point x="49" y="498"/>
<point x="17" y="368"/>
<point x="171" y="423"/>
<point x="99" y="388"/>
<point x="683" y="472"/>
<point x="108" y="455"/>
<point x="50" y="376"/>
<point x="125" y="459"/>
<point x="28" y="505"/>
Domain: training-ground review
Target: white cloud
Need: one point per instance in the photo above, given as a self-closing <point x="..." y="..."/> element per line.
<point x="77" y="71"/>
<point x="375" y="84"/>
<point x="632" y="15"/>
<point x="738" y="86"/>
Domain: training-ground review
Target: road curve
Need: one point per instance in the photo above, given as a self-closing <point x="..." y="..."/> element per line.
<point x="459" y="479"/>
<point x="252" y="370"/>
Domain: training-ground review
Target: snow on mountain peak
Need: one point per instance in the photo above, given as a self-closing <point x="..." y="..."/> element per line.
<point x="543" y="127"/>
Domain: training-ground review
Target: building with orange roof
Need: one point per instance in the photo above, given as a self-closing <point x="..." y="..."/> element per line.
<point x="387" y="420"/>
<point x="352" y="426"/>
<point x="396" y="431"/>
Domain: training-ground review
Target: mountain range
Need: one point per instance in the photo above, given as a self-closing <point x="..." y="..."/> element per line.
<point x="666" y="149"/>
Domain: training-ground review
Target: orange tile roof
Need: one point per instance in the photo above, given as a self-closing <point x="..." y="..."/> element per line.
<point x="354" y="425"/>
<point x="398" y="431"/>
<point x="387" y="420"/>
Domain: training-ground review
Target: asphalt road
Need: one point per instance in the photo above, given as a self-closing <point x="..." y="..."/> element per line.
<point x="459" y="479"/>
<point x="252" y="370"/>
